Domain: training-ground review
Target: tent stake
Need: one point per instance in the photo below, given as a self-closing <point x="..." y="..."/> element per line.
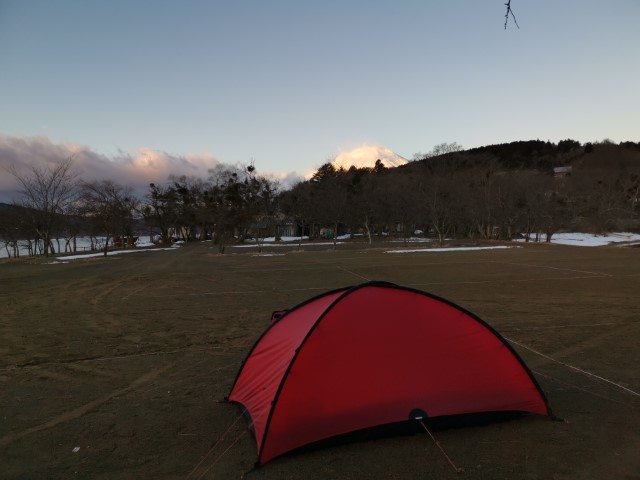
<point x="453" y="465"/>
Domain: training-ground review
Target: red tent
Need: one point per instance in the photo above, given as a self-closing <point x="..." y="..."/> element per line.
<point x="371" y="355"/>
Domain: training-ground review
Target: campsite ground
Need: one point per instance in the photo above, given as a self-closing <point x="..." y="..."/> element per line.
<point x="116" y="367"/>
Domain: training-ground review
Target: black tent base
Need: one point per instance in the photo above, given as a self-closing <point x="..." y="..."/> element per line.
<point x="412" y="427"/>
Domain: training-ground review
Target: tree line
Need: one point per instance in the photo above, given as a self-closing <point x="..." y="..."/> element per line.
<point x="523" y="189"/>
<point x="56" y="208"/>
<point x="499" y="192"/>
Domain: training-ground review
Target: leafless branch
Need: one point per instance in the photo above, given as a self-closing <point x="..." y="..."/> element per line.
<point x="48" y="192"/>
<point x="506" y="15"/>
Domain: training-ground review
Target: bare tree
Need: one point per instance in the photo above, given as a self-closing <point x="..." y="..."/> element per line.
<point x="399" y="205"/>
<point x="334" y="206"/>
<point x="438" y="150"/>
<point x="191" y="218"/>
<point x="12" y="229"/>
<point x="161" y="210"/>
<point x="110" y="208"/>
<point x="368" y="203"/>
<point x="298" y="204"/>
<point x="238" y="201"/>
<point x="47" y="192"/>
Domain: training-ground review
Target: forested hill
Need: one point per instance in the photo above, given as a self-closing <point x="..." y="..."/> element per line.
<point x="492" y="192"/>
<point x="537" y="155"/>
<point x="7" y="207"/>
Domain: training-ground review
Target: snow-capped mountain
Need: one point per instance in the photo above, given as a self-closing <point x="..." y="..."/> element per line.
<point x="366" y="156"/>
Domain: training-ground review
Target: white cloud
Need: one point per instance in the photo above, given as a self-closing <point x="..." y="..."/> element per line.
<point x="287" y="180"/>
<point x="149" y="165"/>
<point x="137" y="171"/>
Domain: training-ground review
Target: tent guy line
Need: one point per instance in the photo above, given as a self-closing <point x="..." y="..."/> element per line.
<point x="206" y="374"/>
<point x="584" y="372"/>
<point x="571" y="385"/>
<point x="238" y="292"/>
<point x="534" y="279"/>
<point x="220" y="439"/>
<point x="512" y="328"/>
<point x="362" y="277"/>
<point x="423" y="284"/>
<point x="226" y="450"/>
<point x="437" y="443"/>
<point x="600" y="274"/>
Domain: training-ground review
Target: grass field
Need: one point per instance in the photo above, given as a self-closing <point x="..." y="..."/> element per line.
<point x="116" y="367"/>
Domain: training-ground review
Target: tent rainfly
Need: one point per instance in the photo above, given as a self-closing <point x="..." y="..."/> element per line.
<point x="372" y="355"/>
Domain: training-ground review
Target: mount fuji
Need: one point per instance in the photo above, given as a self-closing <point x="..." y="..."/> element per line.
<point x="365" y="156"/>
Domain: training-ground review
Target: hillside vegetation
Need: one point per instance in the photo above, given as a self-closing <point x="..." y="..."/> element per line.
<point x="497" y="191"/>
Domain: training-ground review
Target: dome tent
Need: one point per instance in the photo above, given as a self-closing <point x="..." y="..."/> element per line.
<point x="371" y="355"/>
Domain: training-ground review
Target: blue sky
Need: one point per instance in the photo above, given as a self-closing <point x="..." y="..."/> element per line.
<point x="292" y="83"/>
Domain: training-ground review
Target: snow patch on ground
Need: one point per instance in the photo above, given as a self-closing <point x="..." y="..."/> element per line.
<point x="289" y="245"/>
<point x="448" y="249"/>
<point x="273" y="239"/>
<point x="109" y="254"/>
<point x="575" y="239"/>
<point x="416" y="240"/>
<point x="589" y="239"/>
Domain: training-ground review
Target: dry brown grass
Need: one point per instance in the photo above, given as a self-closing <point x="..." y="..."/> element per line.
<point x="129" y="357"/>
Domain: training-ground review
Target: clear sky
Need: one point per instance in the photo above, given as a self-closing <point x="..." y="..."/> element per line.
<point x="292" y="83"/>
